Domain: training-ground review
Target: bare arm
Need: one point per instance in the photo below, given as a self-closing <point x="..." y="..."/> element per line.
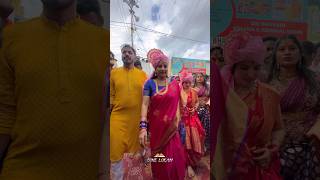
<point x="196" y="100"/>
<point x="144" y="112"/>
<point x="145" y="107"/>
<point x="178" y="115"/>
<point x="278" y="132"/>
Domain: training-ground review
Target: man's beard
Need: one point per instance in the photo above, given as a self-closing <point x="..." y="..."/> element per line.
<point x="57" y="4"/>
<point x="127" y="60"/>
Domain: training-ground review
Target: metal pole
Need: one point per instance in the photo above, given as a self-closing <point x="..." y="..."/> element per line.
<point x="131" y="27"/>
<point x="131" y="4"/>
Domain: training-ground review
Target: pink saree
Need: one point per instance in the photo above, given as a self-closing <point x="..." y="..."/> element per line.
<point x="164" y="136"/>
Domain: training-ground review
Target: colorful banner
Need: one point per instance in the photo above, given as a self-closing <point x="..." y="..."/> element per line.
<point x="314" y="22"/>
<point x="266" y="18"/>
<point x="191" y="65"/>
<point x="268" y="28"/>
<point x="280" y="10"/>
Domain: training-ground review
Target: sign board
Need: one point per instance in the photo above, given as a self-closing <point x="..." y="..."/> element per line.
<point x="266" y="18"/>
<point x="191" y="65"/>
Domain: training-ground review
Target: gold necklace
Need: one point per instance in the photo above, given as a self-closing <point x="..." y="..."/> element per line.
<point x="157" y="88"/>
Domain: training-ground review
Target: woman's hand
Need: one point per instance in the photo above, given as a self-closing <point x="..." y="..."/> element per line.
<point x="143" y="137"/>
<point x="192" y="110"/>
<point x="262" y="157"/>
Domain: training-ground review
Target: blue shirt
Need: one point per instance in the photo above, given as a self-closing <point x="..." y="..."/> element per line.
<point x="150" y="88"/>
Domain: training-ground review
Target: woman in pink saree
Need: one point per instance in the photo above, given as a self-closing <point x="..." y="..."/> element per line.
<point x="251" y="133"/>
<point x="160" y="116"/>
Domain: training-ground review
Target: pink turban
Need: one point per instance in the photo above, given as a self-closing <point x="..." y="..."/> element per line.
<point x="155" y="56"/>
<point x="241" y="46"/>
<point x="186" y="76"/>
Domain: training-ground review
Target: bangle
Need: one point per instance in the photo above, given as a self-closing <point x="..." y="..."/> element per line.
<point x="143" y="125"/>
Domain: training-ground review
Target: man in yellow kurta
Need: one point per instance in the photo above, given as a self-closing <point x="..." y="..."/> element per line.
<point x="51" y="91"/>
<point x="126" y="86"/>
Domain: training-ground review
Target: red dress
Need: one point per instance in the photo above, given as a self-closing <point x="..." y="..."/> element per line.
<point x="195" y="134"/>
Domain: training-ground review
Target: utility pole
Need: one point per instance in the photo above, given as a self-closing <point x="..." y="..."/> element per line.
<point x="134" y="18"/>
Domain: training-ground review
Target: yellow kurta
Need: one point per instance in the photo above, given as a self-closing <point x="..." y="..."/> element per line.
<point x="51" y="93"/>
<point x="126" y="89"/>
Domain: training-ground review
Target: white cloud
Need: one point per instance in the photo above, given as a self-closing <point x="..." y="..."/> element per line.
<point x="199" y="51"/>
<point x="188" y="19"/>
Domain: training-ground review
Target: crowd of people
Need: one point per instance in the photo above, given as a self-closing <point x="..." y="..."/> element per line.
<point x="271" y="94"/>
<point x="166" y="115"/>
<point x="52" y="87"/>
